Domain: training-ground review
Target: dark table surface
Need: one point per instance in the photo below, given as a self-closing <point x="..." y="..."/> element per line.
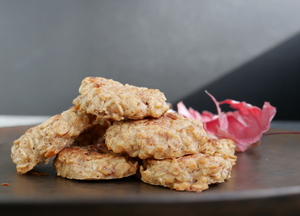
<point x="265" y="181"/>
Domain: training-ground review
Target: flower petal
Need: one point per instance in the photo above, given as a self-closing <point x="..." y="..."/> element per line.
<point x="181" y="108"/>
<point x="244" y="126"/>
<point x="248" y="123"/>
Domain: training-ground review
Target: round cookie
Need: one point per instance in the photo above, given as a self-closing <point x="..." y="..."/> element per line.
<point x="171" y="135"/>
<point x="192" y="172"/>
<point x="110" y="99"/>
<point x="93" y="162"/>
<point x="188" y="173"/>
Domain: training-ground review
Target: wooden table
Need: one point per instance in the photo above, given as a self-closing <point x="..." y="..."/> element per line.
<point x="265" y="181"/>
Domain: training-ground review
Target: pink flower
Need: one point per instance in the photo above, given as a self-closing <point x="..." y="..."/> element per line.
<point x="244" y="126"/>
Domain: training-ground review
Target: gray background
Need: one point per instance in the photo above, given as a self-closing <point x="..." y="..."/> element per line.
<point x="180" y="47"/>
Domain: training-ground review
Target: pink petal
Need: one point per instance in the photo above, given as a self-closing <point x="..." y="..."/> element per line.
<point x="181" y="108"/>
<point x="223" y="123"/>
<point x="248" y="123"/>
<point x="207" y="116"/>
<point x="193" y="114"/>
<point x="245" y="125"/>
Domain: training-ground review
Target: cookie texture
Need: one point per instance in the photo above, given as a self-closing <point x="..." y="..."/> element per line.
<point x="224" y="148"/>
<point x="110" y="99"/>
<point x="171" y="135"/>
<point x="190" y="173"/>
<point x="115" y="131"/>
<point x="45" y="140"/>
<point x="93" y="162"/>
<point x="93" y="134"/>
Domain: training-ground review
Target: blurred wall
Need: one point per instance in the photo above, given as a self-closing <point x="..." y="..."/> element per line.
<point x="47" y="47"/>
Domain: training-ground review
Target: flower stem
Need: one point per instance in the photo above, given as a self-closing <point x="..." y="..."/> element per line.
<point x="276" y="133"/>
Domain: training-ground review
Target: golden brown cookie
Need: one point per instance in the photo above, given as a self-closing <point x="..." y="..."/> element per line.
<point x="43" y="141"/>
<point x="171" y="135"/>
<point x="187" y="173"/>
<point x="224" y="148"/>
<point x="93" y="162"/>
<point x="110" y="99"/>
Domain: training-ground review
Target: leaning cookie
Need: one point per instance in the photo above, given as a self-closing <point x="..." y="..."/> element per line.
<point x="171" y="135"/>
<point x="188" y="173"/>
<point x="43" y="141"/>
<point x="110" y="99"/>
<point x="93" y="162"/>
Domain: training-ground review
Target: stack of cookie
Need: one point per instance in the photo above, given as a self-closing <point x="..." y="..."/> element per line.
<point x="117" y="130"/>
